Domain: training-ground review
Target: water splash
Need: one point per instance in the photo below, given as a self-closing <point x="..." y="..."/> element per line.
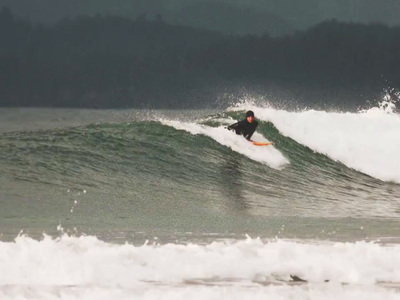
<point x="387" y="105"/>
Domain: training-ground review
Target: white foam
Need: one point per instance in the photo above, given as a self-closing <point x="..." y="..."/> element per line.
<point x="368" y="141"/>
<point x="86" y="268"/>
<point x="268" y="155"/>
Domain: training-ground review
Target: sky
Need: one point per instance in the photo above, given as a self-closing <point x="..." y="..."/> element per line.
<point x="229" y="16"/>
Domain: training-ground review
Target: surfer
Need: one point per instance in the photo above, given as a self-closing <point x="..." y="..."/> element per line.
<point x="245" y="127"/>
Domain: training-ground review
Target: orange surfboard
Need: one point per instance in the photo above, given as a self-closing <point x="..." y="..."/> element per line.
<point x="261" y="144"/>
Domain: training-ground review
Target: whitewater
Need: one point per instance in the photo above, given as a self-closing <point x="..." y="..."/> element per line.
<point x="365" y="141"/>
<point x="268" y="155"/>
<point x="72" y="268"/>
<point x="135" y="204"/>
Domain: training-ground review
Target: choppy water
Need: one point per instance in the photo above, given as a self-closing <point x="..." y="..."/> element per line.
<point x="324" y="202"/>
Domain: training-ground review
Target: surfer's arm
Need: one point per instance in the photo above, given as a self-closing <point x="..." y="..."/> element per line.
<point x="238" y="127"/>
<point x="233" y="126"/>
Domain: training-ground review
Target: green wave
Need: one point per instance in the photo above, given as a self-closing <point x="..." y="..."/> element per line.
<point x="116" y="180"/>
<point x="149" y="160"/>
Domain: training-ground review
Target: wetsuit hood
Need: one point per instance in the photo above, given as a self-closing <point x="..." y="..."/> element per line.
<point x="250" y="114"/>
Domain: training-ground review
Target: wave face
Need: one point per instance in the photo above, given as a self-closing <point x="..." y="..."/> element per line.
<point x="185" y="170"/>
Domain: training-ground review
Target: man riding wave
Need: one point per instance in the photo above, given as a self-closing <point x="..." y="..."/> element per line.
<point x="245" y="127"/>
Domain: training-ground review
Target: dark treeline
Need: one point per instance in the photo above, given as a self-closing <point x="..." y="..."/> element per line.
<point x="118" y="62"/>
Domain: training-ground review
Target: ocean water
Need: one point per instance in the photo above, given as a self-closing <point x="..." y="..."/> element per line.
<point x="139" y="204"/>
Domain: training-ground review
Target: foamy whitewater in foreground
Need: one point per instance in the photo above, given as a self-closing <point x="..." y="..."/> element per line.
<point x="368" y="141"/>
<point x="267" y="155"/>
<point x="86" y="268"/>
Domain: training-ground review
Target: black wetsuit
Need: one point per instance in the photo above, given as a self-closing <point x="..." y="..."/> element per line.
<point x="244" y="128"/>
